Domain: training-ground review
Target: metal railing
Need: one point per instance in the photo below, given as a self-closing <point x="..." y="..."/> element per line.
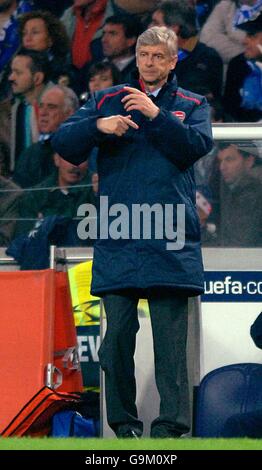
<point x="237" y="131"/>
<point x="72" y="256"/>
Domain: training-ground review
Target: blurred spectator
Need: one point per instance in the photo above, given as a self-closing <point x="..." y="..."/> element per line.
<point x="29" y="79"/>
<point x="101" y="75"/>
<point x="119" y="39"/>
<point x="238" y="213"/>
<point x="36" y="162"/>
<point x="243" y="90"/>
<point x="10" y="10"/>
<point x="82" y="20"/>
<point x="9" y="199"/>
<point x="32" y="250"/>
<point x="60" y="194"/>
<point x="204" y="207"/>
<point x="220" y="33"/>
<point x="198" y="65"/>
<point x="248" y="10"/>
<point x="42" y="31"/>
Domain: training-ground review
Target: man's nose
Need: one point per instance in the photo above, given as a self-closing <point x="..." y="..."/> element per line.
<point x="149" y="60"/>
<point x="245" y="41"/>
<point x="96" y="84"/>
<point x="222" y="166"/>
<point x="26" y="36"/>
<point x="42" y="111"/>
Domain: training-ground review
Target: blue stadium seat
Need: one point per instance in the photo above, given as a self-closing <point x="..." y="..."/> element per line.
<point x="223" y="392"/>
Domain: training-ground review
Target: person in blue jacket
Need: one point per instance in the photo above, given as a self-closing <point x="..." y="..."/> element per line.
<point x="149" y="134"/>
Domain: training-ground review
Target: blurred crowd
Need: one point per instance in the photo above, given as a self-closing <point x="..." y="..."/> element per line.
<point x="55" y="55"/>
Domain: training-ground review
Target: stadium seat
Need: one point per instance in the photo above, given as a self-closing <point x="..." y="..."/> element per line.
<point x="235" y="388"/>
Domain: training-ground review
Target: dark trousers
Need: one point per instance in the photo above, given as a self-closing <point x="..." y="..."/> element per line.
<point x="169" y="316"/>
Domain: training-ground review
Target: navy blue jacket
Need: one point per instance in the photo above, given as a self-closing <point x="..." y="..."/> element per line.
<point x="256" y="331"/>
<point x="150" y="165"/>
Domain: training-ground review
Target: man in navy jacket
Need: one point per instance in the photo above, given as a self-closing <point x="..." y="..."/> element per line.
<point x="147" y="146"/>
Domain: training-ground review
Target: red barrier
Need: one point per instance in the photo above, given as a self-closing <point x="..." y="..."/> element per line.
<point x="65" y="341"/>
<point x="35" y="321"/>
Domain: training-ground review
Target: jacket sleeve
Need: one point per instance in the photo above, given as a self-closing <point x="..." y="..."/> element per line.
<point x="256" y="331"/>
<point x="76" y="137"/>
<point x="183" y="143"/>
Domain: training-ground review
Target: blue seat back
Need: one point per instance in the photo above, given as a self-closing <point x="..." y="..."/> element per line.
<point x="235" y="388"/>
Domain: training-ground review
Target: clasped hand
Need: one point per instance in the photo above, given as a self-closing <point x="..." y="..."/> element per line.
<point x="119" y="124"/>
<point x="138" y="100"/>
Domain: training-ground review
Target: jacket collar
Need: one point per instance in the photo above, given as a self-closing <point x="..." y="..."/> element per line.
<point x="170" y="85"/>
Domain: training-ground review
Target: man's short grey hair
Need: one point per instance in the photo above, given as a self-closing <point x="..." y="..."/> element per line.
<point x="71" y="102"/>
<point x="158" y="35"/>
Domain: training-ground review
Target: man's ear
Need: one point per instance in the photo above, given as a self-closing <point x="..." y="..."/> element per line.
<point x="38" y="78"/>
<point x="176" y="28"/>
<point x="68" y="113"/>
<point x="250" y="160"/>
<point x="173" y="62"/>
<point x="131" y="41"/>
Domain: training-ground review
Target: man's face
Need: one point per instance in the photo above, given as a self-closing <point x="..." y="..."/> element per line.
<point x="21" y="77"/>
<point x="52" y="110"/>
<point x="253" y="46"/>
<point x="154" y="64"/>
<point x="232" y="164"/>
<point x="157" y="19"/>
<point x="114" y="41"/>
<point x="100" y="81"/>
<point x="68" y="173"/>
